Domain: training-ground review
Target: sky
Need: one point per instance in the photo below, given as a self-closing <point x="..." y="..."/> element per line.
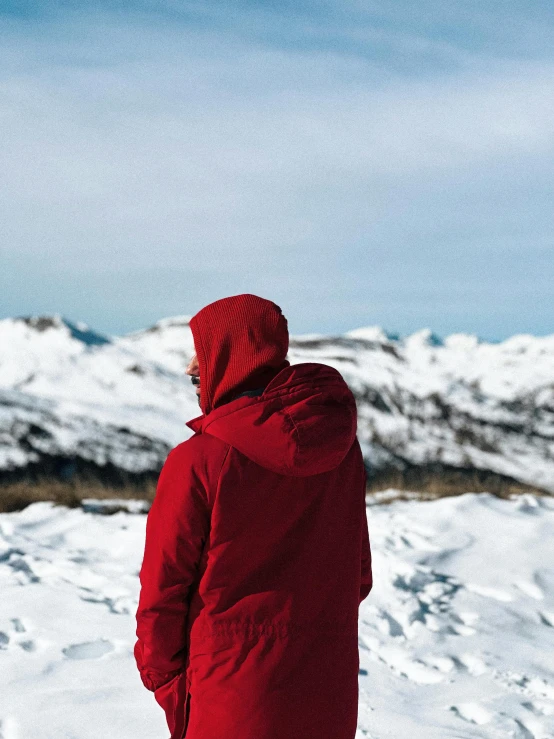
<point x="360" y="163"/>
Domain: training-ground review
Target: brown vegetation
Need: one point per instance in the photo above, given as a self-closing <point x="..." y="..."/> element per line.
<point x="430" y="484"/>
<point x="17" y="495"/>
<point x="424" y="484"/>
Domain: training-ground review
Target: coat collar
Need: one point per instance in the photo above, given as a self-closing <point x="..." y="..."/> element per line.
<point x="197" y="424"/>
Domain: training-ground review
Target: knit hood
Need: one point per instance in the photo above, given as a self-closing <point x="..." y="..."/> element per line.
<point x="241" y="343"/>
<point x="303" y="423"/>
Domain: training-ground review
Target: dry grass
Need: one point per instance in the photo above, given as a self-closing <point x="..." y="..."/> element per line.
<point x="395" y="486"/>
<point x="433" y="486"/>
<point x="16" y="496"/>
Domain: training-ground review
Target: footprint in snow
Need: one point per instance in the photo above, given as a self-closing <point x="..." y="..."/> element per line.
<point x="530" y="589"/>
<point x="23" y="570"/>
<point x="14" y="637"/>
<point x="118" y="604"/>
<point x="533" y="686"/>
<point x="472" y="712"/>
<point x="387" y="624"/>
<point x="18" y="625"/>
<point x="88" y="649"/>
<point x="403" y="663"/>
<point x="28" y="646"/>
<point x="546" y="618"/>
<point x="538" y="707"/>
<point x="472" y="663"/>
<point x="521" y="731"/>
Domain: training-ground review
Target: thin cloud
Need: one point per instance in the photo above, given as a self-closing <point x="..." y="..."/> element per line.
<point x="129" y="147"/>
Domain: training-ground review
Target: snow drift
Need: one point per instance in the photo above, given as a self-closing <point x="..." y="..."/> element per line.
<point x="456" y="638"/>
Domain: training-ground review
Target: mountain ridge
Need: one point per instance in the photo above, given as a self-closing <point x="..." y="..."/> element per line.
<point x="75" y="401"/>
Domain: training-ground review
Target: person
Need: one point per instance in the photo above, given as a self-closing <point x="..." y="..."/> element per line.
<point x="257" y="552"/>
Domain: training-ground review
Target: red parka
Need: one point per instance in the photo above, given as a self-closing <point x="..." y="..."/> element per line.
<point x="257" y="552"/>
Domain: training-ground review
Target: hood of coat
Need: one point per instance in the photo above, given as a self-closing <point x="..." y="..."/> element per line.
<point x="304" y="423"/>
<point x="241" y="343"/>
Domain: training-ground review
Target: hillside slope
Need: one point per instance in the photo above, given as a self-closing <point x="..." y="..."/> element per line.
<point x="75" y="402"/>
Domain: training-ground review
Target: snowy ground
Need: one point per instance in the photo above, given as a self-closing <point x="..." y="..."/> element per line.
<point x="456" y="639"/>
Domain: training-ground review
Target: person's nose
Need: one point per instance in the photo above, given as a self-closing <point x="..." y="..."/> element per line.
<point x="192" y="367"/>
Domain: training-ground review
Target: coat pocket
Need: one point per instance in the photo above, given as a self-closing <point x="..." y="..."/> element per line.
<point x="173" y="698"/>
<point x="182" y="703"/>
<point x="187" y="716"/>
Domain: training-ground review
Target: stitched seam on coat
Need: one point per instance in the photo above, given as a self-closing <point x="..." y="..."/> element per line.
<point x="245" y="628"/>
<point x="229" y="447"/>
<point x="295" y="428"/>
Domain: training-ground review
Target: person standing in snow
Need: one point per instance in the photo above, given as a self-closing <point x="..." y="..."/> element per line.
<point x="257" y="552"/>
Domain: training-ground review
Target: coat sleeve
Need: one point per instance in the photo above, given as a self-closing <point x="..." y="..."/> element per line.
<point x="176" y="530"/>
<point x="366" y="582"/>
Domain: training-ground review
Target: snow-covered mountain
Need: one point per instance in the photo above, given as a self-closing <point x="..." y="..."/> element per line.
<point x="74" y="401"/>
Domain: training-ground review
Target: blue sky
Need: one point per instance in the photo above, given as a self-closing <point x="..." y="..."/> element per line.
<point x="384" y="163"/>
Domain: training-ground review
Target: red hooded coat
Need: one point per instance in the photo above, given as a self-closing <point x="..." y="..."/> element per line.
<point x="257" y="552"/>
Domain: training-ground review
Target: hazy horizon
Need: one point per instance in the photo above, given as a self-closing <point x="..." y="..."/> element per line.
<point x="391" y="333"/>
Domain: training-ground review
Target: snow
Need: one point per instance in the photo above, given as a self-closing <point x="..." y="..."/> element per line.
<point x="66" y="391"/>
<point x="369" y="333"/>
<point x="103" y="402"/>
<point x="456" y="638"/>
